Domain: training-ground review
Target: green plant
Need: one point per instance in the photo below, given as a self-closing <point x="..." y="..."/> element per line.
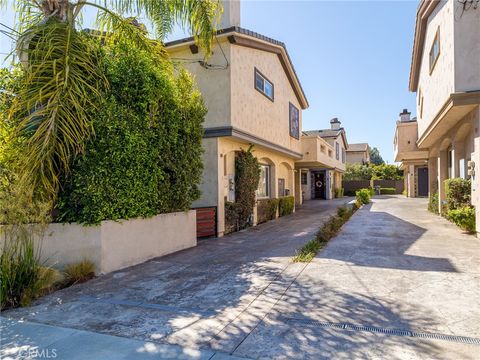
<point x="464" y="217"/>
<point x="338" y="192"/>
<point x="231" y="217"/>
<point x="433" y="203"/>
<point x="345" y="212"/>
<point x="267" y="210"/>
<point x="375" y="157"/>
<point x="79" y="272"/>
<point x="247" y="175"/>
<point x="386" y="172"/>
<point x="363" y="196"/>
<point x="146" y="156"/>
<point x="357" y="172"/>
<point x="286" y="205"/>
<point x="307" y="252"/>
<point x="64" y="75"/>
<point x="404" y="192"/>
<point x="457" y="193"/>
<point x="388" y="191"/>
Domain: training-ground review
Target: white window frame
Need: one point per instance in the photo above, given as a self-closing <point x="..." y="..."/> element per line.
<point x="264" y="79"/>
<point x="268" y="181"/>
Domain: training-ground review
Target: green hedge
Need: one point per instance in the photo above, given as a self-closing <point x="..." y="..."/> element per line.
<point x="457" y="193"/>
<point x="463" y="217"/>
<point x="145" y="158"/>
<point x="286" y="205"/>
<point x="266" y="210"/>
<point x="388" y="191"/>
<point x="433" y="203"/>
<point x="363" y="196"/>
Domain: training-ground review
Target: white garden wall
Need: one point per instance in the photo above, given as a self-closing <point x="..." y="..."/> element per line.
<point x="113" y="245"/>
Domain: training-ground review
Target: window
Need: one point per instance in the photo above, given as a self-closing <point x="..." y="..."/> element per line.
<point x="435" y="50"/>
<point x="263" y="190"/>
<point x="344" y="155"/>
<point x="281" y="187"/>
<point x="263" y="85"/>
<point x="337" y="151"/>
<point x="294" y="121"/>
<point x="450" y="162"/>
<point x="304" y="178"/>
<point x="421" y="107"/>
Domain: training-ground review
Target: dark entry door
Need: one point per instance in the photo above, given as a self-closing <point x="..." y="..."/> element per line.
<point x="422" y="177"/>
<point x="319" y="184"/>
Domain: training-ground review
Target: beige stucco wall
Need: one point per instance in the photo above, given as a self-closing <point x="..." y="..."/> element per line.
<point x="113" y="245"/>
<point x="405" y="142"/>
<point x="437" y="86"/>
<point x="356" y="157"/>
<point x="214" y="85"/>
<point x="281" y="167"/>
<point x="319" y="152"/>
<point x="210" y="178"/>
<point x="251" y="110"/>
<point x="467" y="48"/>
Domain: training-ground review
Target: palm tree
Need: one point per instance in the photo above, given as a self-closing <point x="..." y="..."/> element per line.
<point x="63" y="74"/>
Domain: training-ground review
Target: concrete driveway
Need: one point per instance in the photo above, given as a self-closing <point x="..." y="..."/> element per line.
<point x="397" y="283"/>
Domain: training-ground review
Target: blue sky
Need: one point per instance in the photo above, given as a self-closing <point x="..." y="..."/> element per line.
<point x="352" y="58"/>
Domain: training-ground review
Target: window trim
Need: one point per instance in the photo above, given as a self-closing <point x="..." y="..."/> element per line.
<point x="435" y="39"/>
<point x="337" y="151"/>
<point x="301" y="178"/>
<point x="272" y="99"/>
<point x="269" y="174"/>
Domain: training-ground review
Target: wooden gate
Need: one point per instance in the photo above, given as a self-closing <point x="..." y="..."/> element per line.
<point x="206" y="221"/>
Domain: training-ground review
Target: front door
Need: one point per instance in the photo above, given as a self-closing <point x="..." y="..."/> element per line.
<point x="319" y="184"/>
<point x="422" y="178"/>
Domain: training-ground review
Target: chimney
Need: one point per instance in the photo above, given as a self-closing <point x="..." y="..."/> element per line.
<point x="231" y="14"/>
<point x="335" y="124"/>
<point x="405" y="116"/>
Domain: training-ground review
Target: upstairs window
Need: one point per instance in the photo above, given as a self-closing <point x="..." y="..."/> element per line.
<point x="337" y="151"/>
<point x="263" y="85"/>
<point x="435" y="51"/>
<point x="344" y="155"/>
<point x="294" y="121"/>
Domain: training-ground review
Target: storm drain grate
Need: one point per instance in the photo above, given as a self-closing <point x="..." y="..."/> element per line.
<point x="387" y="331"/>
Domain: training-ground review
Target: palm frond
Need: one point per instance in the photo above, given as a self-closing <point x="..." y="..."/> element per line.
<point x="63" y="80"/>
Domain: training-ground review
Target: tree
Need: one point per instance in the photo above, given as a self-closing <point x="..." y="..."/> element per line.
<point x="375" y="157"/>
<point x="358" y="172"/>
<point x="386" y="172"/>
<point x="63" y="71"/>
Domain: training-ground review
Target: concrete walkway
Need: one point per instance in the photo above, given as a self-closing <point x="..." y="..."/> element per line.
<point x="397" y="283"/>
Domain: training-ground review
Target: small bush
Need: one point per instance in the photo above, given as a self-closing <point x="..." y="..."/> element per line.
<point x="388" y="191"/>
<point x="463" y="217"/>
<point x="457" y="193"/>
<point x="339" y="192"/>
<point x="345" y="212"/>
<point x="433" y="203"/>
<point x="231" y="217"/>
<point x="363" y="196"/>
<point x="266" y="210"/>
<point x="79" y="272"/>
<point x="307" y="252"/>
<point x="286" y="205"/>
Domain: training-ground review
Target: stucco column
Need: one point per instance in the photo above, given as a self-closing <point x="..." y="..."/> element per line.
<point x="475" y="195"/>
<point x="454" y="153"/>
<point x="442" y="176"/>
<point x="411" y="180"/>
<point x="432" y="175"/>
<point x="297" y="192"/>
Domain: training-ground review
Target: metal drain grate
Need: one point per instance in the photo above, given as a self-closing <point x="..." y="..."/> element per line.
<point x="387" y="331"/>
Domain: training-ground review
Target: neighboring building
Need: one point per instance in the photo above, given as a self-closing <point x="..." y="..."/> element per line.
<point x="445" y="74"/>
<point x="253" y="96"/>
<point x="358" y="154"/>
<point x="413" y="161"/>
<point x="323" y="162"/>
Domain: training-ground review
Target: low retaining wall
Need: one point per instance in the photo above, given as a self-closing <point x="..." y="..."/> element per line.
<point x="113" y="245"/>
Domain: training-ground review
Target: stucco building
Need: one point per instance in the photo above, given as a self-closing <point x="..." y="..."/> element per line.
<point x="323" y="161"/>
<point x="253" y="96"/>
<point x="411" y="159"/>
<point x="358" y="154"/>
<point x="445" y="74"/>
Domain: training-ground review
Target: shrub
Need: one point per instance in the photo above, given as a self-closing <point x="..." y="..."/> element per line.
<point x="339" y="192"/>
<point x="266" y="210"/>
<point x="345" y="212"/>
<point x="247" y="175"/>
<point x="457" y="193"/>
<point x="363" y="196"/>
<point x="145" y="157"/>
<point x="386" y="172"/>
<point x="307" y="252"/>
<point x="286" y="205"/>
<point x="79" y="272"/>
<point x="231" y="217"/>
<point x="357" y="172"/>
<point x="388" y="191"/>
<point x="463" y="217"/>
<point x="433" y="203"/>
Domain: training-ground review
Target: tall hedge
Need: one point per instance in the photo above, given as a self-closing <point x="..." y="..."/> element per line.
<point x="145" y="158"/>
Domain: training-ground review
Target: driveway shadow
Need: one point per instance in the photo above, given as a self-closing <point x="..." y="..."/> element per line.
<point x="379" y="239"/>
